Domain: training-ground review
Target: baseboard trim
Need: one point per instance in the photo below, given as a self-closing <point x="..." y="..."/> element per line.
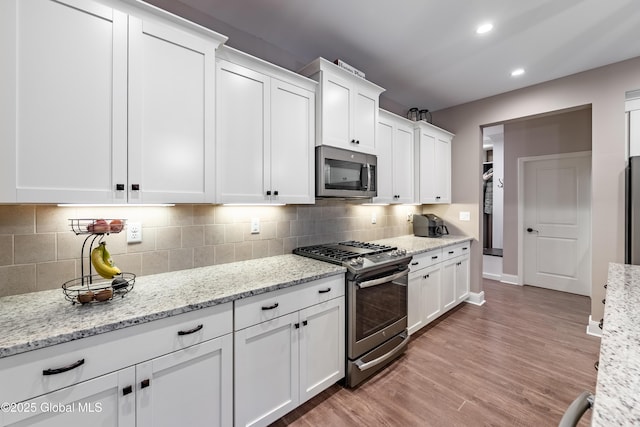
<point x="491" y="276"/>
<point x="593" y="328"/>
<point x="476" y="298"/>
<point x="510" y="279"/>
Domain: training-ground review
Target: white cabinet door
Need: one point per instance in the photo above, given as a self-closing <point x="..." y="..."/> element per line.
<point x="415" y="318"/>
<point x="336" y="111"/>
<point x="171" y="118"/>
<point x="365" y="118"/>
<point x="322" y="360"/>
<point x="385" y="163"/>
<point x="106" y="401"/>
<point x="433" y="174"/>
<point x="63" y="97"/>
<point x="442" y="169"/>
<point x="190" y="387"/>
<point x="266" y="371"/>
<point x="242" y="127"/>
<point x="403" y="176"/>
<point x="447" y="289"/>
<point x="462" y="278"/>
<point x="431" y="293"/>
<point x="291" y="169"/>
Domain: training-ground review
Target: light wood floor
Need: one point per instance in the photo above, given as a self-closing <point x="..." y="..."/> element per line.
<point x="518" y="360"/>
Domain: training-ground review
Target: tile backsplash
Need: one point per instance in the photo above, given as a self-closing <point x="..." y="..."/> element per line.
<point x="38" y="250"/>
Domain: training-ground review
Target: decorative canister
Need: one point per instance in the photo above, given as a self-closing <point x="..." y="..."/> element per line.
<point x="413" y="114"/>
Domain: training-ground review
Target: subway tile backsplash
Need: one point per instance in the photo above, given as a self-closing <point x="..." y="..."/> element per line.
<point x="38" y="250"/>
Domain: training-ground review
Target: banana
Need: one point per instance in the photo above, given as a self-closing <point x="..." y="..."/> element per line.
<point x="102" y="262"/>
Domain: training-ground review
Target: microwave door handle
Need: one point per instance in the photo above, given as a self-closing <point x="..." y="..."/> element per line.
<point x="368" y="177"/>
<point x="382" y="280"/>
<point x="364" y="180"/>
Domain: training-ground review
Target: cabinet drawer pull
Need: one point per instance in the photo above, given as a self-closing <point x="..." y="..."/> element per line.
<point x="63" y="369"/>
<point x="296" y="325"/>
<point x="451" y="252"/>
<point x="596" y="365"/>
<point x="604" y="300"/>
<point x="324" y="291"/>
<point x="605" y="285"/>
<point x="191" y="331"/>
<point x="434" y="257"/>
<point x="305" y="323"/>
<point x="145" y="383"/>
<point x="601" y="324"/>
<point x="465" y="248"/>
<point x="127" y="390"/>
<point x="415" y="263"/>
<point x="271" y="307"/>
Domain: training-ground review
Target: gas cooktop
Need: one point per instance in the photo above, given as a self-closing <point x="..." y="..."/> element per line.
<point x="353" y="254"/>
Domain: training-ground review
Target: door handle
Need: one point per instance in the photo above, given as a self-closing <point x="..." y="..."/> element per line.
<point x="531" y="230"/>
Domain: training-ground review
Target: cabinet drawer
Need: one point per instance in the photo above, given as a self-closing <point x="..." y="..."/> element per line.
<point x="256" y="309"/>
<point x="425" y="259"/>
<point x="51" y="368"/>
<point x="456" y="250"/>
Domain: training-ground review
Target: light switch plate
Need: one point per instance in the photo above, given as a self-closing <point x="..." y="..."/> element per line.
<point x="134" y="232"/>
<point x="465" y="216"/>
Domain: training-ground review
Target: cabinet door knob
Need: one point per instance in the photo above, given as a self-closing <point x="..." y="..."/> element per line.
<point x="275" y="193"/>
<point x="268" y="192"/>
<point x="296" y="325"/>
<point x="358" y="142"/>
<point x="353" y="141"/>
<point x="305" y="323"/>
<point x="127" y="390"/>
<point x="135" y="187"/>
<point x="145" y="383"/>
<point x="119" y="187"/>
<point x="437" y="197"/>
<point x="604" y="300"/>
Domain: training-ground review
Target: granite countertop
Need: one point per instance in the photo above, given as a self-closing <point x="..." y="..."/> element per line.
<point x="41" y="319"/>
<point x="415" y="245"/>
<point x="617" y="398"/>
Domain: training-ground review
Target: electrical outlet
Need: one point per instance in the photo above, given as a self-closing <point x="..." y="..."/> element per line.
<point x="374" y="219"/>
<point x="465" y="216"/>
<point x="255" y="225"/>
<point x="409" y="217"/>
<point x="134" y="232"/>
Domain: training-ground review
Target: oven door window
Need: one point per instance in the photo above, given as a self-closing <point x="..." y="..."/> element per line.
<point x="380" y="306"/>
<point x="343" y="175"/>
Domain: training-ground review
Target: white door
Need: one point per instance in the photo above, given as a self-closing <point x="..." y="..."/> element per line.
<point x="63" y="94"/>
<point x="190" y="387"/>
<point x="403" y="165"/>
<point x="321" y="347"/>
<point x="291" y="170"/>
<point x="427" y="150"/>
<point x="242" y="129"/>
<point x="266" y="376"/>
<point x="431" y="295"/>
<point x="442" y="169"/>
<point x="106" y="401"/>
<point x="462" y="278"/>
<point x="365" y="119"/>
<point x="171" y="120"/>
<point x="336" y="111"/>
<point x="448" y="285"/>
<point x="384" y="167"/>
<point x="556" y="223"/>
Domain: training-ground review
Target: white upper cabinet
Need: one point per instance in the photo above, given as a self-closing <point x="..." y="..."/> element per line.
<point x="395" y="176"/>
<point x="433" y="164"/>
<point x="265" y="132"/>
<point x="347" y="107"/>
<point x="96" y="99"/>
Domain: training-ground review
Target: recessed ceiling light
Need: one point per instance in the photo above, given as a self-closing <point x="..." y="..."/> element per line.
<point x="484" y="28"/>
<point x="517" y="72"/>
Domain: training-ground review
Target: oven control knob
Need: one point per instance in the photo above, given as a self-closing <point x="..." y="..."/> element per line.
<point x="360" y="260"/>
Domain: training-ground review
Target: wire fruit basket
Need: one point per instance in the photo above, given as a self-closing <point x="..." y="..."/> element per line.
<point x="90" y="288"/>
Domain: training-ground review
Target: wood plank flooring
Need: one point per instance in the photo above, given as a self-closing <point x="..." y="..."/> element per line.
<point x="518" y="360"/>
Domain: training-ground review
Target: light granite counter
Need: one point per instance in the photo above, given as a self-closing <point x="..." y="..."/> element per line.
<point x="415" y="245"/>
<point x="41" y="319"/>
<point x="617" y="398"/>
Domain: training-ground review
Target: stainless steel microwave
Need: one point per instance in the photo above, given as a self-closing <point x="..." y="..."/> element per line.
<point x="345" y="173"/>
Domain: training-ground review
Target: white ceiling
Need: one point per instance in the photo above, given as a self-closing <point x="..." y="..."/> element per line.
<point x="426" y="52"/>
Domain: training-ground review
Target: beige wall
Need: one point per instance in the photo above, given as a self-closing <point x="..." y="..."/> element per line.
<point x="566" y="132"/>
<point x="604" y="89"/>
<point x="38" y="251"/>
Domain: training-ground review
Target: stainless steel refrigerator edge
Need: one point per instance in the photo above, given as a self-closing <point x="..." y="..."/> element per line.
<point x="632" y="220"/>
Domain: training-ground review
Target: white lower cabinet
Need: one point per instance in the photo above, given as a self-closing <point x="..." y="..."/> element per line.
<point x="438" y="281"/>
<point x="294" y="354"/>
<point x="173" y="371"/>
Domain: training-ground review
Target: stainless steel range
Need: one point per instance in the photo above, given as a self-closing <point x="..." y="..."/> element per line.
<point x="376" y="293"/>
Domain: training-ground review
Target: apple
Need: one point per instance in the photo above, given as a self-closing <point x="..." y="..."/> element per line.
<point x="116" y="225"/>
<point x="98" y="226"/>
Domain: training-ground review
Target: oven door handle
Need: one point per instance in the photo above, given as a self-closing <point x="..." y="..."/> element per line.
<point x="363" y="366"/>
<point x="382" y="280"/>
